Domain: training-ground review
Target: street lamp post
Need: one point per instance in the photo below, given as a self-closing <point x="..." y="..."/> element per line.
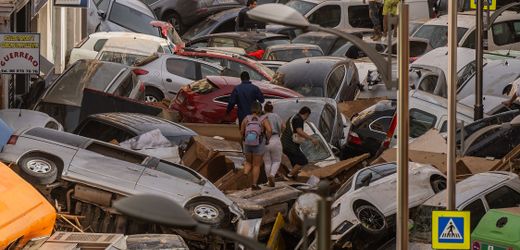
<point x="452" y="102"/>
<point x="285" y="15"/>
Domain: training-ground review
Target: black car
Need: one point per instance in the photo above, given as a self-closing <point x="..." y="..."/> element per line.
<point x="184" y="13"/>
<point x="218" y="23"/>
<point x="332" y="77"/>
<point x="248" y="40"/>
<point x="123" y="126"/>
<point x="369" y="128"/>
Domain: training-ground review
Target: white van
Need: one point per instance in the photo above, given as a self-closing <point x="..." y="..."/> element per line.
<point x="348" y="14"/>
<point x="89" y="47"/>
<point x="503" y="35"/>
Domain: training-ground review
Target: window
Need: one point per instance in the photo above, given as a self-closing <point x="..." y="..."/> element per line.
<point x="470" y="41"/>
<point x="183" y="68"/>
<point x="503" y="197"/>
<point x="246" y="46"/>
<point x="506" y="32"/>
<point x="335" y="80"/>
<point x="377" y="172"/>
<point x="466" y="73"/>
<point x="326" y="16"/>
<point x="52" y="125"/>
<point x="99" y="44"/>
<point x="207" y="70"/>
<point x="428" y="83"/>
<point x="116" y="153"/>
<point x="227" y="26"/>
<point x="223" y="42"/>
<point x="103" y="132"/>
<point x="437" y="34"/>
<point x="58" y="136"/>
<point x="177" y="171"/>
<point x="118" y="57"/>
<point x="326" y="121"/>
<point x="358" y="17"/>
<point x="381" y="125"/>
<point x="126" y="86"/>
<point x="477" y="210"/>
<point x="301" y="6"/>
<point x="132" y="19"/>
<point x="420" y="122"/>
<point x="102" y="5"/>
<point x="238" y="67"/>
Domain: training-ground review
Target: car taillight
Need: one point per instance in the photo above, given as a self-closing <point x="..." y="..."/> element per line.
<point x="354" y="138"/>
<point x="140" y="72"/>
<point x="12" y="140"/>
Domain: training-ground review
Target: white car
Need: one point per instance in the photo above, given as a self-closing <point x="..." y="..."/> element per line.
<point x="22" y="119"/>
<point x="369" y="196"/>
<point x="89" y="47"/>
<point x="128" y="51"/>
<point x="477" y="194"/>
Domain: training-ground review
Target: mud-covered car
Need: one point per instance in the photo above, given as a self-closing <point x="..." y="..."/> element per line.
<point x="99" y="173"/>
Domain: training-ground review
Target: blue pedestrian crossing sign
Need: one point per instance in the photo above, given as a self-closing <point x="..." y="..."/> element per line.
<point x="451" y="229"/>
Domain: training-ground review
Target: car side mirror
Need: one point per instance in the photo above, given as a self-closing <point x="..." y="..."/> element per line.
<point x="366" y="180"/>
<point x="102" y="14"/>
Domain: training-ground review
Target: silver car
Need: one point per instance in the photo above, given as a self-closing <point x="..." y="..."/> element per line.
<point x="59" y="159"/>
<point x="166" y="74"/>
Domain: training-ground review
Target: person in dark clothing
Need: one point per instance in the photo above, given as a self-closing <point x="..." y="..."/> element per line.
<point x="244" y="23"/>
<point x="245" y="94"/>
<point x="292" y="137"/>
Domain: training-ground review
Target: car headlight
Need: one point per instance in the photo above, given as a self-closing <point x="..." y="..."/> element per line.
<point x="335" y="210"/>
<point x="342" y="228"/>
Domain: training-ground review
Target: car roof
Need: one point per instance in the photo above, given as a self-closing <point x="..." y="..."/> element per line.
<point x="253" y="36"/>
<point x="439" y="56"/>
<point x="231" y="82"/>
<point x="138" y="5"/>
<point x="293" y="46"/>
<point x="472" y="187"/>
<point x="316" y="69"/>
<point x="141" y="123"/>
<point x="467" y="19"/>
<point x="129" y="35"/>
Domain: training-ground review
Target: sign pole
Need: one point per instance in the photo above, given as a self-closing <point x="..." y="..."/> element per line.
<point x="403" y="126"/>
<point x="452" y="102"/>
<point x="479" y="53"/>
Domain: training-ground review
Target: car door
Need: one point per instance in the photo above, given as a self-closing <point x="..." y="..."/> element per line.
<point x="504" y="35"/>
<point x="166" y="178"/>
<point x="381" y="190"/>
<point x="107" y="167"/>
<point x="178" y="72"/>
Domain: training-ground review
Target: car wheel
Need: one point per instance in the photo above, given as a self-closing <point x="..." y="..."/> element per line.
<point x="207" y="212"/>
<point x="371" y="219"/>
<point x="152" y="95"/>
<point x="438" y="184"/>
<point x="38" y="169"/>
<point x="175" y="20"/>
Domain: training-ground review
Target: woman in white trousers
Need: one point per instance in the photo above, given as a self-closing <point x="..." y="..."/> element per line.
<point x="273" y="150"/>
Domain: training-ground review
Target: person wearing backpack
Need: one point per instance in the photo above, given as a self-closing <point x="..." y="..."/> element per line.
<point x="256" y="133"/>
<point x="273" y="151"/>
<point x="292" y="137"/>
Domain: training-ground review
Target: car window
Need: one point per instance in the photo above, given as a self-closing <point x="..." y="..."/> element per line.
<point x="52" y="125"/>
<point x="118" y="57"/>
<point x="292" y="54"/>
<point x="477" y="211"/>
<point x="377" y="172"/>
<point x="99" y="44"/>
<point x="223" y="42"/>
<point x="132" y="19"/>
<point x="102" y="5"/>
<point x="103" y="132"/>
<point x="335" y="80"/>
<point x="470" y="41"/>
<point x="326" y="121"/>
<point x="301" y="6"/>
<point x="506" y="32"/>
<point x="503" y="197"/>
<point x="177" y="171"/>
<point x="207" y="70"/>
<point x="358" y="16"/>
<point x="203" y="87"/>
<point x="183" y="68"/>
<point x="344" y="188"/>
<point x="381" y="125"/>
<point x="326" y="16"/>
<point x="420" y="122"/>
<point x="466" y="73"/>
<point x="239" y="68"/>
<point x="227" y="26"/>
<point x="315" y="153"/>
<point x="126" y="86"/>
<point x="428" y="83"/>
<point x="115" y="152"/>
<point x="246" y="46"/>
<point x="437" y="34"/>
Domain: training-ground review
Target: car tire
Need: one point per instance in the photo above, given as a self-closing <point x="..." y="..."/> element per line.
<point x="372" y="221"/>
<point x="438" y="184"/>
<point x="38" y="169"/>
<point x="208" y="212"/>
<point x="175" y="20"/>
<point x="152" y="95"/>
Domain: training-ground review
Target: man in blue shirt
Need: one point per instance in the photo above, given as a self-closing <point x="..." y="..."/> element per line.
<point x="243" y="96"/>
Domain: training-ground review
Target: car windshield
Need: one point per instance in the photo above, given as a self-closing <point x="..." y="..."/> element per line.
<point x="380" y="106"/>
<point x="118" y="57"/>
<point x="344" y="188"/>
<point x="315" y="153"/>
<point x="422" y="224"/>
<point x="201" y="28"/>
<point x="275" y="41"/>
<point x="85" y="74"/>
<point x="437" y="34"/>
<point x="301" y="6"/>
<point x="325" y="42"/>
<point x="132" y="19"/>
<point x="292" y="54"/>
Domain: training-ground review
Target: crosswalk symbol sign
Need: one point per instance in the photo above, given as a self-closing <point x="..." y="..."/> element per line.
<point x="450" y="230"/>
<point x="491" y="4"/>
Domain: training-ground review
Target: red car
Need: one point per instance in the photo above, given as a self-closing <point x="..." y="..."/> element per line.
<point x="205" y="101"/>
<point x="232" y="61"/>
